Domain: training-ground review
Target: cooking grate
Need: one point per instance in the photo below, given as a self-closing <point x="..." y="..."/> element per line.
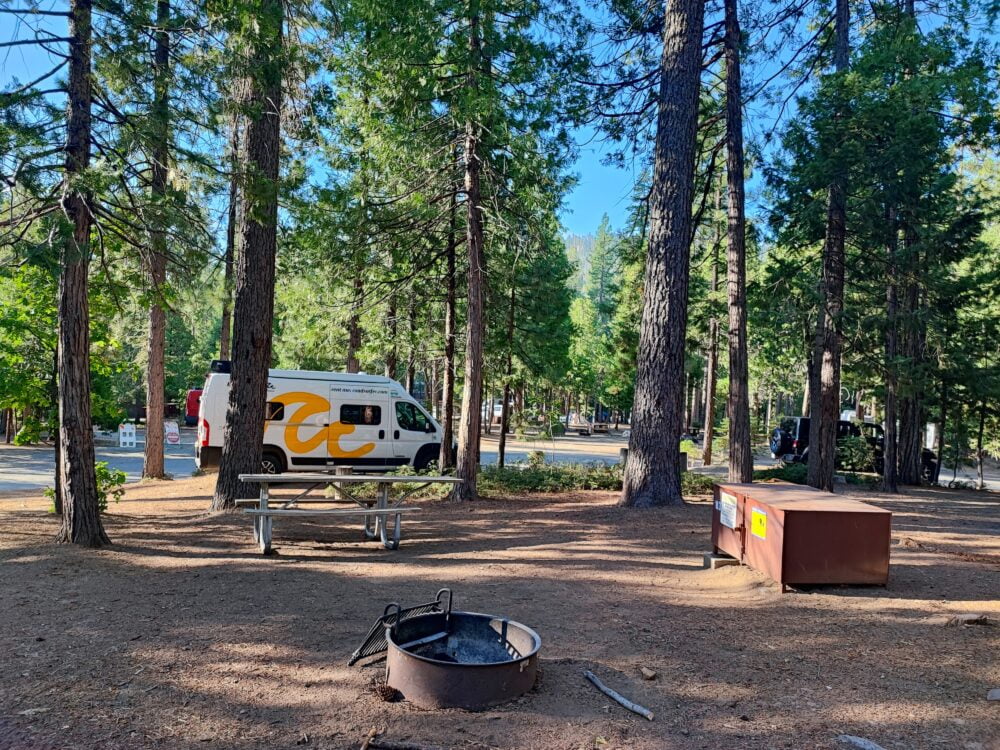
<point x="375" y="642"/>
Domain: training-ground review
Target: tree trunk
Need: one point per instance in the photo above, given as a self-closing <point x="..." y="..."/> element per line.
<point x="254" y="304"/>
<point x="653" y="473"/>
<point x="57" y="491"/>
<point x="411" y="348"/>
<point x="81" y="519"/>
<point x="354" y="321"/>
<point x="825" y="407"/>
<point x="910" y="410"/>
<point x="392" y="358"/>
<point x="505" y="406"/>
<point x="711" y="370"/>
<point x="808" y="388"/>
<point x="740" y="451"/>
<point x="889" y="458"/>
<point x="942" y="423"/>
<point x="472" y="404"/>
<point x="980" y="479"/>
<point x="225" y="333"/>
<point x="447" y="457"/>
<point x="152" y="465"/>
<point x="8" y="424"/>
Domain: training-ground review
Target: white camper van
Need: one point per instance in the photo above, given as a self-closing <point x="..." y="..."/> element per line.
<point x="319" y="420"/>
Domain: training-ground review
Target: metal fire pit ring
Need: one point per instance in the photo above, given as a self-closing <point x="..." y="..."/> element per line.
<point x="461" y="659"/>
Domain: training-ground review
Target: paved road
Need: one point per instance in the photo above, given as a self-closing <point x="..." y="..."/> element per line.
<point x="32" y="468"/>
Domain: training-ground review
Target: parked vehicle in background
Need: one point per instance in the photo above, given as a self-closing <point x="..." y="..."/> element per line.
<point x="790" y="443"/>
<point x="191" y="406"/>
<point x="320" y="420"/>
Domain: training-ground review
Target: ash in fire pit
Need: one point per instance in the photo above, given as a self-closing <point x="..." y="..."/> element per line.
<point x="446" y="659"/>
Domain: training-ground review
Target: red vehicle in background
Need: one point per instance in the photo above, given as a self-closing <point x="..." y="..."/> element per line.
<point x="191" y="407"/>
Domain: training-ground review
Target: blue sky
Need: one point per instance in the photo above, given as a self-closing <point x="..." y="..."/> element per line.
<point x="600" y="190"/>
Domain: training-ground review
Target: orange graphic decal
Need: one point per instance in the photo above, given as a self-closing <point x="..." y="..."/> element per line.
<point x="313" y="405"/>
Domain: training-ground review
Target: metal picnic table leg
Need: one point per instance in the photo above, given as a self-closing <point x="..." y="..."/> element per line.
<point x="264" y="534"/>
<point x="371" y="527"/>
<point x="382" y="521"/>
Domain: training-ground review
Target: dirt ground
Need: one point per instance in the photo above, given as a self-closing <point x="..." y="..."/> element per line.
<point x="182" y="636"/>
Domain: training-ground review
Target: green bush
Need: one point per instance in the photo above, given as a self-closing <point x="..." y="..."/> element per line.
<point x="855" y="454"/>
<point x="530" y="478"/>
<point x="549" y="478"/>
<point x="794" y="473"/>
<point x="109" y="484"/>
<point x="797" y="473"/>
<point x="696" y="484"/>
<point x="687" y="446"/>
<point x="30" y="432"/>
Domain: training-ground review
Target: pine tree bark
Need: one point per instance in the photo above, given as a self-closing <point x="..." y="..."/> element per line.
<point x="652" y="474"/>
<point x="354" y="321"/>
<point x="509" y="371"/>
<point x="226" y="327"/>
<point x="942" y="424"/>
<point x="712" y="367"/>
<point x="392" y="358"/>
<point x="889" y="457"/>
<point x="446" y="457"/>
<point x="825" y="407"/>
<point x="740" y="451"/>
<point x="472" y="397"/>
<point x="910" y="402"/>
<point x="411" y="348"/>
<point x="57" y="492"/>
<point x="253" y="311"/>
<point x="81" y="519"/>
<point x="980" y="454"/>
<point x="152" y="465"/>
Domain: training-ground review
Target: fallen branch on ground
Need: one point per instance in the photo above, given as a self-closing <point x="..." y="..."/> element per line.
<point x="633" y="707"/>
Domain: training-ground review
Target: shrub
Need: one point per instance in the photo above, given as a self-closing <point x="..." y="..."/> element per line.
<point x="30" y="432"/>
<point x="696" y="484"/>
<point x="550" y="478"/>
<point x="854" y="453"/>
<point x="794" y="473"/>
<point x="797" y="473"/>
<point x="109" y="484"/>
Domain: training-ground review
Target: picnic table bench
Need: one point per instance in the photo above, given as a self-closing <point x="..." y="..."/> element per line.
<point x="378" y="511"/>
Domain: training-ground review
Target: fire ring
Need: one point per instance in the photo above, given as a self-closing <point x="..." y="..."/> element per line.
<point x="460" y="659"/>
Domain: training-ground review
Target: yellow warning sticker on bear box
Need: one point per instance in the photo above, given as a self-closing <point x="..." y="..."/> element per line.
<point x="758" y="523"/>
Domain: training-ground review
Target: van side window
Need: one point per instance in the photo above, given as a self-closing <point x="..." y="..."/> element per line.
<point x="362" y="414"/>
<point x="274" y="411"/>
<point x="410" y="417"/>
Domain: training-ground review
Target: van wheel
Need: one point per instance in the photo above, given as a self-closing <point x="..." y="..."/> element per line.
<point x="271" y="462"/>
<point x="427" y="455"/>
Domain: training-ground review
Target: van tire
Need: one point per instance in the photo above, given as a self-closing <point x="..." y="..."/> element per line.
<point x="272" y="461"/>
<point x="427" y="455"/>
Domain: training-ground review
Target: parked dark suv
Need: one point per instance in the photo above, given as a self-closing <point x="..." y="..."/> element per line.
<point x="790" y="442"/>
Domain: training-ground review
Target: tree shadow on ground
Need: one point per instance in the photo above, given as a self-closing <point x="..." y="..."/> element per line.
<point x="181" y="636"/>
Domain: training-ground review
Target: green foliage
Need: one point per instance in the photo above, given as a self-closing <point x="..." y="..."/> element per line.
<point x="795" y="473"/>
<point x="109" y="486"/>
<point x="30" y="432"/>
<point x="543" y="477"/>
<point x="854" y="453"/>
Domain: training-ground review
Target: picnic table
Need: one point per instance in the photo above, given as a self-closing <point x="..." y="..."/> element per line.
<point x="378" y="511"/>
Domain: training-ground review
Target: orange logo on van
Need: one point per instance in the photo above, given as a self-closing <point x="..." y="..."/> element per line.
<point x="311" y="406"/>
